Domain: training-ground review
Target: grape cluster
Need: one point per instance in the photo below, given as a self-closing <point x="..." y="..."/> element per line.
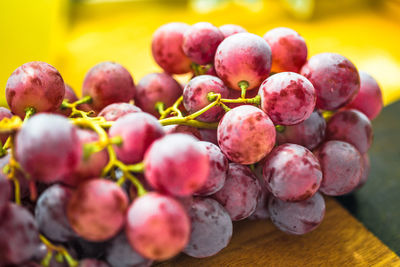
<point x="131" y="174"/>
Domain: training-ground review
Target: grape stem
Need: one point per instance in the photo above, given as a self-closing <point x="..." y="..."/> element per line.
<point x="173" y="108"/>
<point x="243" y="85"/>
<point x="10" y="169"/>
<point x="53" y="248"/>
<point x="73" y="106"/>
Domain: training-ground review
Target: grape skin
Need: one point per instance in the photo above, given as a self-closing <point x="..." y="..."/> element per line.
<point x="367" y="167"/>
<point x="209" y="135"/>
<point x="4" y="113"/>
<point x="5" y="191"/>
<point x="211" y="228"/>
<point x="297" y="218"/>
<point x="115" y="111"/>
<point x="231" y="29"/>
<point x="157" y="227"/>
<point x="92" y="263"/>
<point x="178" y="128"/>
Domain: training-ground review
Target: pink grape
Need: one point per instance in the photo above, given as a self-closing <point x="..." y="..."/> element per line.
<point x="261" y="212"/>
<point x="351" y="126"/>
<point x="96" y="210"/>
<point x="367" y="167"/>
<point x="292" y="173"/>
<point x="209" y="135"/>
<point x="342" y="167"/>
<point x="289" y="50"/>
<point x="218" y="170"/>
<point x="335" y="79"/>
<point x="297" y="218"/>
<point x="156" y="87"/>
<point x="177" y="128"/>
<point x="195" y="96"/>
<point x="287" y="97"/>
<point x="71" y="97"/>
<point x="243" y="57"/>
<point x="200" y="42"/>
<point x="246" y="134"/>
<point x="108" y="83"/>
<point x="369" y="99"/>
<point x="4" y="113"/>
<point x="309" y="133"/>
<point x="48" y="138"/>
<point x="231" y="29"/>
<point x="35" y="85"/>
<point x="157" y="226"/>
<point x="234" y="94"/>
<point x="166" y="47"/>
<point x="115" y="111"/>
<point x="138" y="132"/>
<point x="164" y="162"/>
<point x="211" y="228"/>
<point x="240" y="193"/>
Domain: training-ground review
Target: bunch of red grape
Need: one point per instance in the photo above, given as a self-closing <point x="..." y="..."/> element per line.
<point x="131" y="174"/>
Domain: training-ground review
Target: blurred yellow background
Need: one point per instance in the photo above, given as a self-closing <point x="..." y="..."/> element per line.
<point x="75" y="35"/>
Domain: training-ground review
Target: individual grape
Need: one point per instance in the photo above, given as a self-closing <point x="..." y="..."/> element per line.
<point x="5" y="191"/>
<point x="231" y="29"/>
<point x="157" y="87"/>
<point x="4" y="113"/>
<point x="243" y="57"/>
<point x="166" y="47"/>
<point x="177" y="128"/>
<point x="157" y="226"/>
<point x="297" y="218"/>
<point x="289" y="50"/>
<point x="19" y="236"/>
<point x="369" y="99"/>
<point x="115" y="111"/>
<point x="96" y="210"/>
<point x="200" y="42"/>
<point x="351" y="126"/>
<point x="195" y="96"/>
<point x="218" y="170"/>
<point x="50" y="213"/>
<point x="120" y="253"/>
<point x="246" y="134"/>
<point x="108" y="83"/>
<point x="209" y="135"/>
<point x="287" y="97"/>
<point x="211" y="228"/>
<point x="35" y="85"/>
<point x="367" y="166"/>
<point x="335" y="79"/>
<point x="48" y="138"/>
<point x="309" y="133"/>
<point x="92" y="263"/>
<point x="234" y="94"/>
<point x="71" y="97"/>
<point x="138" y="132"/>
<point x="176" y="164"/>
<point x="292" y="173"/>
<point x="240" y="193"/>
<point x="342" y="167"/>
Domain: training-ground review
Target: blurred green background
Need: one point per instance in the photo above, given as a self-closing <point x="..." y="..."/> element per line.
<point x="75" y="35"/>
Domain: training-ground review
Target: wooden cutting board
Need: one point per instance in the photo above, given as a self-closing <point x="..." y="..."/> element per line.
<point x="340" y="240"/>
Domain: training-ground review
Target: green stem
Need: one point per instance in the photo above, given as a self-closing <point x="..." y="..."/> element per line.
<point x="139" y="167"/>
<point x="160" y="106"/>
<point x="70" y="260"/>
<point x="280" y="128"/>
<point x="194" y="123"/>
<point x="243" y="85"/>
<point x="29" y="112"/>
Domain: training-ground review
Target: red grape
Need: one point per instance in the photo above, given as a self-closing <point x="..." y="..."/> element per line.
<point x="367" y="167"/>
<point x="243" y="57"/>
<point x="157" y="226"/>
<point x="335" y="79"/>
<point x="261" y="212"/>
<point x="176" y="164"/>
<point x="35" y="85"/>
<point x="115" y="111"/>
<point x="246" y="134"/>
<point x="231" y="29"/>
<point x="5" y="191"/>
<point x="4" y="113"/>
<point x="178" y="128"/>
<point x="287" y="97"/>
<point x="209" y="135"/>
<point x="71" y="97"/>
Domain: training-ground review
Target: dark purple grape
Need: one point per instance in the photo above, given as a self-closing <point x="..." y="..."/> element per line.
<point x="92" y="263"/>
<point x="211" y="228"/>
<point x="19" y="236"/>
<point x="195" y="96"/>
<point x="297" y="218"/>
<point x="156" y="87"/>
<point x="342" y="167"/>
<point x="35" y="85"/>
<point x="108" y="83"/>
<point x="115" y="111"/>
<point x="5" y="191"/>
<point x="287" y="97"/>
<point x="166" y="47"/>
<point x="4" y="113"/>
<point x="243" y="57"/>
<point x="335" y="79"/>
<point x="71" y="97"/>
<point x="231" y="29"/>
<point x="209" y="135"/>
<point x="351" y="126"/>
<point x="289" y="50"/>
<point x="292" y="173"/>
<point x="50" y="213"/>
<point x="218" y="170"/>
<point x="23" y="181"/>
<point x="246" y="134"/>
<point x="138" y="132"/>
<point x="309" y="133"/>
<point x="369" y="99"/>
<point x="120" y="253"/>
<point x="177" y="128"/>
<point x="48" y="147"/>
<point x="240" y="193"/>
<point x="200" y="42"/>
